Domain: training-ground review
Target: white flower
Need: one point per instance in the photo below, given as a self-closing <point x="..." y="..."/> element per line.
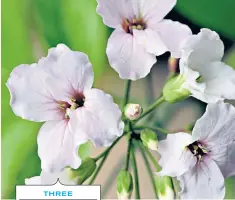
<point x="206" y="77"/>
<point x="202" y="160"/>
<point x="140" y="34"/>
<point x="64" y="177"/>
<point x="58" y="90"/>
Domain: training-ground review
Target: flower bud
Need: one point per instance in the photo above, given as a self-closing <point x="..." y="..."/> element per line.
<point x="149" y="139"/>
<point x="124" y="185"/>
<point x="85" y="170"/>
<point x="132" y="111"/>
<point x="164" y="187"/>
<point x="173" y="91"/>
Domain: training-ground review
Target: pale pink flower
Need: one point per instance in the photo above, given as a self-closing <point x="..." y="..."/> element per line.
<point x="202" y="160"/>
<point x="58" y="90"/>
<point x="140" y="34"/>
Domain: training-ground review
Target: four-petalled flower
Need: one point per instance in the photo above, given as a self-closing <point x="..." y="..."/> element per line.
<point x="140" y="34"/>
<point x="202" y="160"/>
<point x="58" y="90"/>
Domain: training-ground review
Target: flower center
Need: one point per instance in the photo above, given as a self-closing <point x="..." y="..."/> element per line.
<point x="198" y="150"/>
<point x="75" y="102"/>
<point x="135" y="23"/>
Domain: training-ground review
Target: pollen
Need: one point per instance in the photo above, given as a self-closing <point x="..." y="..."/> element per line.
<point x="135" y="23"/>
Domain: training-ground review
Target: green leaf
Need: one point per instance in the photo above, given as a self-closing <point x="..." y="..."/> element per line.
<point x="86" y="31"/>
<point x="19" y="155"/>
<point x="214" y="14"/>
<point x="48" y="18"/>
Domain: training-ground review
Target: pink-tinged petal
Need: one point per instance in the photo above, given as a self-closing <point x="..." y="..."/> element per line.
<point x="56" y="147"/>
<point x="173" y="34"/>
<point x="203" y="181"/>
<point x="203" y="48"/>
<point x="30" y="96"/>
<point x="175" y="159"/>
<point x="154" y="11"/>
<point x="74" y="70"/>
<point x="129" y="59"/>
<point x="216" y="129"/>
<point x="151" y="41"/>
<point x="99" y="120"/>
<point x="114" y="12"/>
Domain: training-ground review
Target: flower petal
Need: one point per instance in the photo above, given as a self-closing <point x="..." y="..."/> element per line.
<point x="175" y="159"/>
<point x="216" y="129"/>
<point x="74" y="70"/>
<point x="129" y="59"/>
<point x="30" y="97"/>
<point x="36" y="89"/>
<point x="180" y="33"/>
<point x="113" y="12"/>
<point x="99" y="120"/>
<point x="219" y="79"/>
<point x="155" y="10"/>
<point x="203" y="48"/>
<point x="56" y="147"/>
<point x="203" y="181"/>
<point x="150" y="40"/>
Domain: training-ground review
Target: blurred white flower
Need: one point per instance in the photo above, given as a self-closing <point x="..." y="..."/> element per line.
<point x="140" y="34"/>
<point x="58" y="90"/>
<point x="202" y="160"/>
<point x="65" y="177"/>
<point x="205" y="76"/>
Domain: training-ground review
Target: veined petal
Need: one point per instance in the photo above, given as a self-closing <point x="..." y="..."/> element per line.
<point x="155" y="10"/>
<point x="216" y="129"/>
<point x="173" y="34"/>
<point x="99" y="120"/>
<point x="36" y="89"/>
<point x="201" y="49"/>
<point x="114" y="12"/>
<point x="56" y="147"/>
<point x="175" y="159"/>
<point x="203" y="181"/>
<point x="30" y="97"/>
<point x="150" y="40"/>
<point x="127" y="57"/>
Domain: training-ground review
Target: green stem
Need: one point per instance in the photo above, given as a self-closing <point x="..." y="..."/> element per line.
<point x="151" y="108"/>
<point x="127" y="93"/>
<point x="98" y="169"/>
<point x="146" y="162"/>
<point x="155" y="128"/>
<point x="107" y="150"/>
<point x="128" y="151"/>
<point x="135" y="170"/>
<point x="153" y="160"/>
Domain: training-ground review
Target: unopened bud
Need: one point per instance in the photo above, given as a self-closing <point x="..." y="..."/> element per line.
<point x="124" y="185"/>
<point x="174" y="91"/>
<point x="164" y="187"/>
<point x="85" y="170"/>
<point x="133" y="111"/>
<point x="149" y="139"/>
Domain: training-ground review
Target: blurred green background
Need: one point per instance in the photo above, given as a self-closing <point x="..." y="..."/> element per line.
<point x="30" y="27"/>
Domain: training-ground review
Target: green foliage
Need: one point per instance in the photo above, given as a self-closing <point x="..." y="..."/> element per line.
<point x="85" y="31"/>
<point x="214" y="14"/>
